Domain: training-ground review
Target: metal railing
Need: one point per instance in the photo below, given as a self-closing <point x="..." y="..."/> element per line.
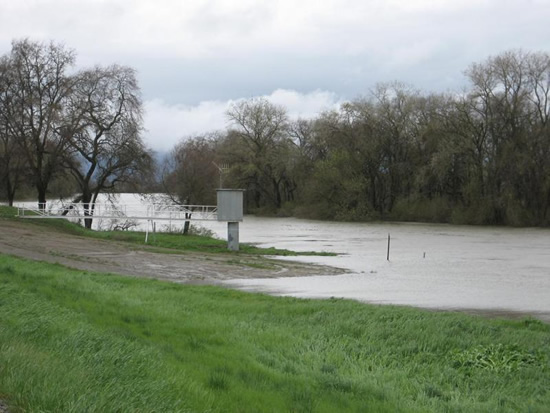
<point x="152" y="211"/>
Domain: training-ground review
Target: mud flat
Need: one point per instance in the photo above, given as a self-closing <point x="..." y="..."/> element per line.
<point x="24" y="239"/>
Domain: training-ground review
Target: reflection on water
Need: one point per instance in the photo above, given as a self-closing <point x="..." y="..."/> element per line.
<point x="431" y="266"/>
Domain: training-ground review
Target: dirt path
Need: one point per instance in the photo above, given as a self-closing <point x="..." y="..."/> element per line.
<point x="28" y="240"/>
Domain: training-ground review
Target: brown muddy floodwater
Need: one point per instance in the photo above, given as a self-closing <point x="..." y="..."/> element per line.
<point x="476" y="269"/>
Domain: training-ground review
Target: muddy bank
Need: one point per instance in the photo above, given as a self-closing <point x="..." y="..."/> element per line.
<point x="28" y="240"/>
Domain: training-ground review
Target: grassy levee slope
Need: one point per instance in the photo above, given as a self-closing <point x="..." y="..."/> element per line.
<point x="73" y="341"/>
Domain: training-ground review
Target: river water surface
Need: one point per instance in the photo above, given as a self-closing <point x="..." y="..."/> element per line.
<point x="496" y="270"/>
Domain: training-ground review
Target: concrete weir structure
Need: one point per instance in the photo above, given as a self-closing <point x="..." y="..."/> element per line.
<point x="230" y="210"/>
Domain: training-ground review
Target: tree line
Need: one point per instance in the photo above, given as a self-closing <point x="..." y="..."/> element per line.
<point x="479" y="156"/>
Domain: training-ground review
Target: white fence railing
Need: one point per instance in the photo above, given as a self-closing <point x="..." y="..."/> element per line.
<point x="151" y="211"/>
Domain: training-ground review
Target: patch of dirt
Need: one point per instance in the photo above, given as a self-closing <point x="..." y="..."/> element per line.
<point x="28" y="240"/>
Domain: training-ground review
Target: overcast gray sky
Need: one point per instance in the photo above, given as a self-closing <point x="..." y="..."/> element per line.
<point x="194" y="57"/>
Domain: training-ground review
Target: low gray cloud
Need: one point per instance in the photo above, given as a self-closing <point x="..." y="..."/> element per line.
<point x="167" y="123"/>
<point x="190" y="53"/>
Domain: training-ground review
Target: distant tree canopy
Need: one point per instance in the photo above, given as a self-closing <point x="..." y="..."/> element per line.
<point x="84" y="126"/>
<point x="478" y="157"/>
<point x="190" y="174"/>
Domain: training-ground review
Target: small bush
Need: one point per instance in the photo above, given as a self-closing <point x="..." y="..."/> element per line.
<point x="201" y="231"/>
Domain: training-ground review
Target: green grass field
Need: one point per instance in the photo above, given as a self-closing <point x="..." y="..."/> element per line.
<point x="72" y="341"/>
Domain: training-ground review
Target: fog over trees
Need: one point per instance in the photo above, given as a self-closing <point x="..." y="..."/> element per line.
<point x="478" y="156"/>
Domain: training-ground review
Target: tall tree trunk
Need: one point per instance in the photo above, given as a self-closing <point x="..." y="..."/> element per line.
<point x="187" y="224"/>
<point x="41" y="197"/>
<point x="277" y="191"/>
<point x="188" y="215"/>
<point x="88" y="210"/>
<point x="10" y="191"/>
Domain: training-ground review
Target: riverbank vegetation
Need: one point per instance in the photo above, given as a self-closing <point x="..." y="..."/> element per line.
<point x="477" y="156"/>
<point x="75" y="341"/>
<point x="480" y="156"/>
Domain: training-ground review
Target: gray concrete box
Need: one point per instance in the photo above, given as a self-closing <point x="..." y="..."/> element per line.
<point x="230" y="205"/>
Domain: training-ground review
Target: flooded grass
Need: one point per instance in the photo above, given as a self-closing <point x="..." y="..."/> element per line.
<point x="75" y="341"/>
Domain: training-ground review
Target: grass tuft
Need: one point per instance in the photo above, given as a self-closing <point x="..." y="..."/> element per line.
<point x="499" y="357"/>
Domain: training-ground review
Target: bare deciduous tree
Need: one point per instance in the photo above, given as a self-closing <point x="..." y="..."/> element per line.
<point x="11" y="157"/>
<point x="105" y="147"/>
<point x="261" y="130"/>
<point x="190" y="174"/>
<point x="39" y="93"/>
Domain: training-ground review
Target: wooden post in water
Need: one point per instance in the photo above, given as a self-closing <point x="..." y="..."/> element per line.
<point x="388" y="256"/>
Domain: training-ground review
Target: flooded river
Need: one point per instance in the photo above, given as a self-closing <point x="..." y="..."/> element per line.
<point x="483" y="269"/>
<point x="497" y="270"/>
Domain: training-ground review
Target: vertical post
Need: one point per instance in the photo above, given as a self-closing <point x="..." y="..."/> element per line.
<point x="388" y="255"/>
<point x="147" y="225"/>
<point x="233" y="236"/>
